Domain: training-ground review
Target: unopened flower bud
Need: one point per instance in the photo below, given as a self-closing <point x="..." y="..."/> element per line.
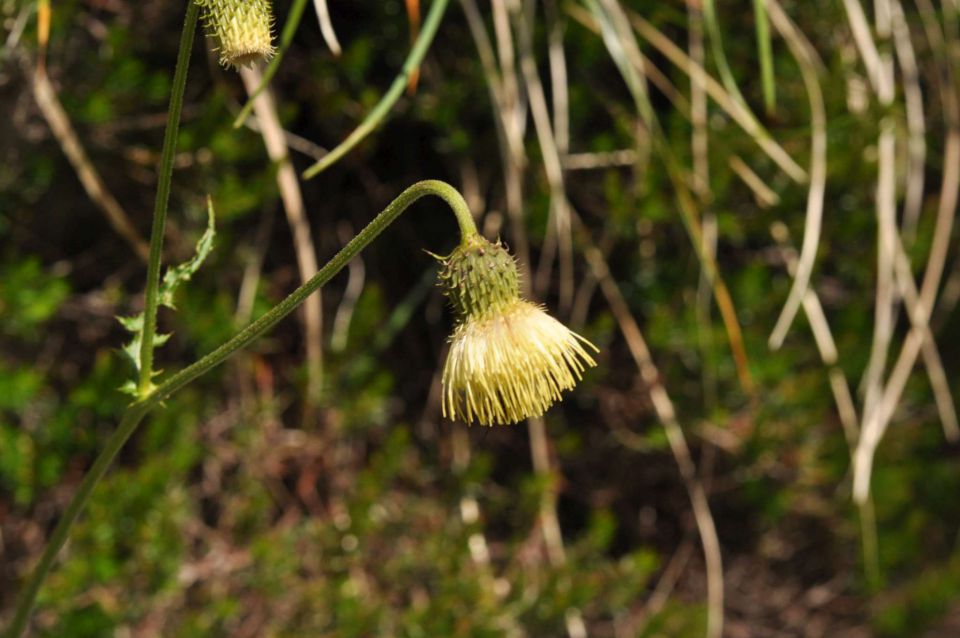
<point x="242" y="29"/>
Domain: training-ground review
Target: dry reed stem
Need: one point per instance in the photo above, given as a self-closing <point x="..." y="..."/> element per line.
<point x="877" y="417"/>
<point x="823" y="337"/>
<point x="295" y="209"/>
<point x="740" y="115"/>
<point x="886" y="206"/>
<point x="62" y="129"/>
<point x="600" y="160"/>
<point x="699" y="150"/>
<point x="623" y="48"/>
<point x="549" y="521"/>
<point x="700" y="136"/>
<point x="558" y="78"/>
<point x="765" y="196"/>
<point x="512" y="104"/>
<point x="326" y="26"/>
<point x="253" y="269"/>
<point x="558" y="223"/>
<point x="666" y="413"/>
<point x="806" y="58"/>
<point x="916" y="123"/>
<point x="511" y="148"/>
<point x="356" y="275"/>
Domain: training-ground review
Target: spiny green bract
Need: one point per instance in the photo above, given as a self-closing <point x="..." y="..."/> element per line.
<point x="242" y="29"/>
<point x="479" y="277"/>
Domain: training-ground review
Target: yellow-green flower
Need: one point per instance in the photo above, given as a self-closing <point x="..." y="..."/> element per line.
<point x="242" y="29"/>
<point x="508" y="360"/>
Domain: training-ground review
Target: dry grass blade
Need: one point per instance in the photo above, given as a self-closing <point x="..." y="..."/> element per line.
<point x="59" y="123"/>
<point x="765" y="196"/>
<point x="413" y="17"/>
<point x="326" y="26"/>
<point x="806" y="58"/>
<point x="558" y="223"/>
<point x="877" y="417"/>
<point x="699" y="150"/>
<point x="666" y="413"/>
<point x="823" y="337"/>
<point x="700" y="135"/>
<point x="869" y="54"/>
<point x="887" y="231"/>
<point x="507" y="109"/>
<point x="625" y="52"/>
<point x="356" y="275"/>
<point x="743" y="117"/>
<point x="389" y="99"/>
<point x="275" y="142"/>
<point x="916" y="123"/>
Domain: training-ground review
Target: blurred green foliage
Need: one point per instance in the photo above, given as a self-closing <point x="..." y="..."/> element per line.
<point x="239" y="509"/>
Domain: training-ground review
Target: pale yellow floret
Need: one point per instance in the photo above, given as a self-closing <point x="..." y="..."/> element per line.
<point x="506" y="366"/>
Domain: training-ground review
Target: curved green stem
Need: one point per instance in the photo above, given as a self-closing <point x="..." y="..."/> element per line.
<point x="419" y="50"/>
<point x="421" y="189"/>
<point x="135" y="413"/>
<point x="765" y="52"/>
<point x="289" y="29"/>
<point x="720" y="56"/>
<point x="163" y="199"/>
<point x="28" y="596"/>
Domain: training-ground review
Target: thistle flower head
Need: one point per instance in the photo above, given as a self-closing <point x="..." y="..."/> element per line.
<point x="242" y="29"/>
<point x="508" y="360"/>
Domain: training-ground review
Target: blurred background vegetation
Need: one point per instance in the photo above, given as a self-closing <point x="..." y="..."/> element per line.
<point x="310" y="487"/>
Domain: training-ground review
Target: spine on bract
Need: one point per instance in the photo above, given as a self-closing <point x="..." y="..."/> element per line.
<point x="242" y="29"/>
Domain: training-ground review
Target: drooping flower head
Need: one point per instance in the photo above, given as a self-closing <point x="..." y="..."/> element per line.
<point x="242" y="29"/>
<point x="508" y="360"/>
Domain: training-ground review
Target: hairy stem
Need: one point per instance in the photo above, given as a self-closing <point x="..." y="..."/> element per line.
<point x="163" y="198"/>
<point x="135" y="413"/>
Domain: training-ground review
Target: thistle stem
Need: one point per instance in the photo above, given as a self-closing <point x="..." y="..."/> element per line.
<point x="151" y="294"/>
<point x="139" y="409"/>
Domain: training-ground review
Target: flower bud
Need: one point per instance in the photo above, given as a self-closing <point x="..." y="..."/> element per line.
<point x="242" y="29"/>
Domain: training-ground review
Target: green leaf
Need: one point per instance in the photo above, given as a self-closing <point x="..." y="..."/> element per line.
<point x="179" y="274"/>
<point x="130" y="387"/>
<point x="171" y="281"/>
<point x="133" y="324"/>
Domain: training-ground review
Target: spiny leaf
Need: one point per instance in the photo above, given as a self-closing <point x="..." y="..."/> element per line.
<point x="133" y="324"/>
<point x="179" y="274"/>
<point x="171" y="281"/>
<point x="130" y="387"/>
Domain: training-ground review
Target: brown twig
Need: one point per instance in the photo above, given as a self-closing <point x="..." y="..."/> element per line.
<point x="666" y="413"/>
<point x="275" y="143"/>
<point x="62" y="129"/>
